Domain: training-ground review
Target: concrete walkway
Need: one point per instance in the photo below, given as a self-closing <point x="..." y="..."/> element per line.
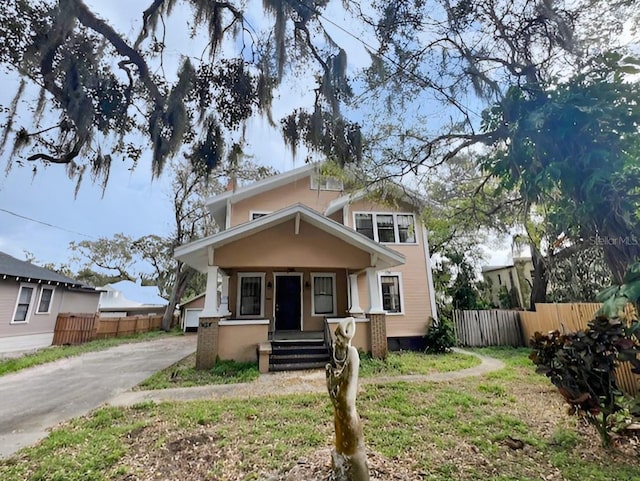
<point x="294" y="382"/>
<point x="34" y="400"/>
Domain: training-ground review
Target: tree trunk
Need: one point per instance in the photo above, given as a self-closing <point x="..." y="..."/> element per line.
<point x="540" y="278"/>
<point x="182" y="277"/>
<point x="349" y="459"/>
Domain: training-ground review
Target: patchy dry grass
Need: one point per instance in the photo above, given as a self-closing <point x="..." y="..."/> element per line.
<point x="464" y="430"/>
<point x="184" y="374"/>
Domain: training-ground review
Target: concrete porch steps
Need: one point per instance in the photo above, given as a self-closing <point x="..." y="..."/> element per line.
<point x="292" y="355"/>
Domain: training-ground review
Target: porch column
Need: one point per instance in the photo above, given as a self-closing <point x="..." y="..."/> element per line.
<point x="354" y="296"/>
<point x="211" y="297"/>
<point x="207" y="347"/>
<point x="377" y="317"/>
<point x="224" y="299"/>
<point x="375" y="302"/>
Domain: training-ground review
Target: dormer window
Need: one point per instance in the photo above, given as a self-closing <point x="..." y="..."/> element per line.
<point x="326" y="182"/>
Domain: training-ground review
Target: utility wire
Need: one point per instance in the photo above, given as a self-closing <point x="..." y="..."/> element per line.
<point x="46" y="223"/>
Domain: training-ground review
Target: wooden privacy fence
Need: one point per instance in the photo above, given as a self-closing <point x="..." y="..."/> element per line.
<point x="487" y="328"/>
<point x="571" y="318"/>
<point x="80" y="328"/>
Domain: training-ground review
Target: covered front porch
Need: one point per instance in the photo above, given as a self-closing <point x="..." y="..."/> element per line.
<point x="287" y="275"/>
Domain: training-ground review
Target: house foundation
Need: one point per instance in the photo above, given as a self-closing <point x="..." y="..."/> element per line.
<point x="207" y="347"/>
<point x="378" y="326"/>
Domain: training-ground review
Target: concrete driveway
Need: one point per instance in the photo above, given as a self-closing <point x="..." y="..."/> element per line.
<point x="38" y="398"/>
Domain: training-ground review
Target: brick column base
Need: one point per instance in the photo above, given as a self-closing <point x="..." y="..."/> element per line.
<point x="378" y="326"/>
<point x="207" y="349"/>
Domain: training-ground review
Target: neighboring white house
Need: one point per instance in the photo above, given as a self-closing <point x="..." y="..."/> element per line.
<point x="127" y="298"/>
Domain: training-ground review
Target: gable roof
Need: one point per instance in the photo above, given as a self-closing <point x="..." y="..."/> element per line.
<point x="195" y="254"/>
<point x="217" y="204"/>
<point x="24" y="271"/>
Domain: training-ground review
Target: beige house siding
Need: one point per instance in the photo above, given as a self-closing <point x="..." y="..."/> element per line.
<point x="197" y="303"/>
<point x="239" y="342"/>
<point x="296" y="192"/>
<point x="280" y="246"/>
<point x="309" y="322"/>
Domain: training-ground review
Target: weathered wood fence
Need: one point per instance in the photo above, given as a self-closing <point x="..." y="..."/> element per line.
<point x="515" y="328"/>
<point x="493" y="327"/>
<point x="80" y="328"/>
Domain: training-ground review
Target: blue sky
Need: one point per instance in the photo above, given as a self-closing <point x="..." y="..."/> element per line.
<point x="133" y="203"/>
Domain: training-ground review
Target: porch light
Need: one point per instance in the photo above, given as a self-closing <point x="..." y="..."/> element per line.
<point x="269" y="285"/>
<point x="307" y="285"/>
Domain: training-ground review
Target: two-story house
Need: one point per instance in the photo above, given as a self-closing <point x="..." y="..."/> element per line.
<point x="295" y="254"/>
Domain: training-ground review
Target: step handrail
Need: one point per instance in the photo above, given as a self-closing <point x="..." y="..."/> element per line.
<point x="328" y="340"/>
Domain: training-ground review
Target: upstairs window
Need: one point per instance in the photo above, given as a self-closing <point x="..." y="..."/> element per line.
<point x="326" y="182"/>
<point x="386" y="227"/>
<point x="253" y="215"/>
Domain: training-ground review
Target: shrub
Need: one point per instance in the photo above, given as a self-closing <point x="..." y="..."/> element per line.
<point x="582" y="364"/>
<point x="440" y="337"/>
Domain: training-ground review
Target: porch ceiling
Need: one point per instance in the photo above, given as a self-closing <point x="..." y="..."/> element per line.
<point x="293" y="237"/>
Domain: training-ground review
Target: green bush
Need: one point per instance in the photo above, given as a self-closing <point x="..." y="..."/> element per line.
<point x="582" y="364"/>
<point x="440" y="337"/>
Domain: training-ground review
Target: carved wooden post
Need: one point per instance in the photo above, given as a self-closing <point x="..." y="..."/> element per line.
<point x="349" y="459"/>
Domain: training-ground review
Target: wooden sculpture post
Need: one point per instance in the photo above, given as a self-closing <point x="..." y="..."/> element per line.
<point x="349" y="460"/>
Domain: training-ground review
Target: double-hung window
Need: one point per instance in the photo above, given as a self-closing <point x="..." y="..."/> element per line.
<point x="391" y="293"/>
<point x="251" y="294"/>
<point x="389" y="228"/>
<point x="23" y="306"/>
<point x="326" y="182"/>
<point x="323" y="302"/>
<point x="44" y="303"/>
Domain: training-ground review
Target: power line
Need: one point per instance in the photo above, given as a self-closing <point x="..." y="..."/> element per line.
<point x="46" y="223"/>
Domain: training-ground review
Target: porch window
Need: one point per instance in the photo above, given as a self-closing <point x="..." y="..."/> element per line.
<point x="250" y="294"/>
<point x="323" y="302"/>
<point x="391" y="290"/>
<point x="25" y="297"/>
<point x="44" y="304"/>
<point x="389" y="228"/>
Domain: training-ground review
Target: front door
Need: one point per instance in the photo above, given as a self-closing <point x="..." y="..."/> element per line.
<point x="288" y="305"/>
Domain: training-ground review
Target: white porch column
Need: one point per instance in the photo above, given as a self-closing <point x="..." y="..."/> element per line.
<point x="224" y="298"/>
<point x="211" y="298"/>
<point x="375" y="302"/>
<point x="354" y="296"/>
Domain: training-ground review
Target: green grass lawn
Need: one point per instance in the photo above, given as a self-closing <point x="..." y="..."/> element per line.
<point x="455" y="430"/>
<point x="53" y="353"/>
<point x="184" y="374"/>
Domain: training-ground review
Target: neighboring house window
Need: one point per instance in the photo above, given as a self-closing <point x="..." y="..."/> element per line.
<point x="325" y="182"/>
<point x="323" y="302"/>
<point x="25" y="297"/>
<point x="499" y="279"/>
<point x="391" y="292"/>
<point x="250" y="294"/>
<point x="389" y="228"/>
<point x="253" y="215"/>
<point x="44" y="304"/>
